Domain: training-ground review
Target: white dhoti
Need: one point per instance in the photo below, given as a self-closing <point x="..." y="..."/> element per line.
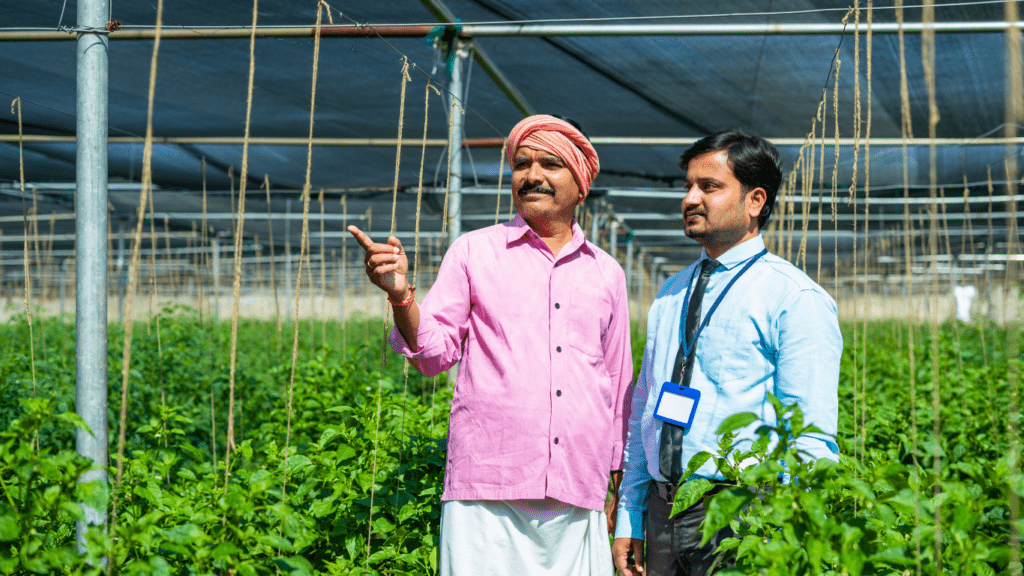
<point x="523" y="537"/>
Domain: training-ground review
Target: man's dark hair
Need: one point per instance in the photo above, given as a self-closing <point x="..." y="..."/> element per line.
<point x="754" y="161"/>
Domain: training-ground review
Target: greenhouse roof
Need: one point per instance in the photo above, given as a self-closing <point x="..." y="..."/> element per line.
<point x="630" y="73"/>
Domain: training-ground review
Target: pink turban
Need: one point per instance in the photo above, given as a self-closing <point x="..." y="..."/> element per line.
<point x="558" y="137"/>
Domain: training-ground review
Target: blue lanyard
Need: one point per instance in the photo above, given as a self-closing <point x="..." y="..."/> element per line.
<point x="688" y="348"/>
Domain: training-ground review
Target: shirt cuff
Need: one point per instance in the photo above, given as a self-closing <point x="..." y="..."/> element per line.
<point x="630" y="524"/>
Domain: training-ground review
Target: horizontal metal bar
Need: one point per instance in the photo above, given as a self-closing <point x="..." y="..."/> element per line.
<point x="518" y="30"/>
<point x="497" y="142"/>
<point x="66" y="237"/>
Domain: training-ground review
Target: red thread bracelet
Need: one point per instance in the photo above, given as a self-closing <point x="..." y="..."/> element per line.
<point x="408" y="301"/>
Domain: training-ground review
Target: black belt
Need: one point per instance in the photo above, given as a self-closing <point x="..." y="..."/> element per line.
<point x="667" y="490"/>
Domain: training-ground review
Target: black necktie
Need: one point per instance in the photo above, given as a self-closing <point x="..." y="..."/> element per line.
<point x="670" y="452"/>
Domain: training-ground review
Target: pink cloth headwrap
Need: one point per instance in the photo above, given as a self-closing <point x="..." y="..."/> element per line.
<point x="558" y="137"/>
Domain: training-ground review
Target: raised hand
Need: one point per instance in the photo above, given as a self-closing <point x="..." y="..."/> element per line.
<point x="386" y="265"/>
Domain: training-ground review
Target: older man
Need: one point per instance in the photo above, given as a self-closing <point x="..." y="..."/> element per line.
<point x="538" y="317"/>
<point x="734" y="326"/>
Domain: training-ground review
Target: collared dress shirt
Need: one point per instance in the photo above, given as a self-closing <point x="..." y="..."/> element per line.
<point x="545" y="358"/>
<point x="775" y="331"/>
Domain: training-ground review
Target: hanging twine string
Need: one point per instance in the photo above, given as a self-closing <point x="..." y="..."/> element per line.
<point x="28" y="277"/>
<point x="835" y="175"/>
<point x="239" y="231"/>
<point x="501" y="172"/>
<point x="928" y="63"/>
<point x="448" y="178"/>
<point x="323" y="279"/>
<point x="907" y="133"/>
<point x="133" y="269"/>
<point x="416" y="272"/>
<point x="852" y="201"/>
<point x="386" y="325"/>
<point x="39" y="260"/>
<point x="1014" y="115"/>
<point x="969" y="233"/>
<point x="273" y="261"/>
<point x="152" y="265"/>
<point x="867" y="223"/>
<point x="205" y="245"/>
<point x="344" y="272"/>
<point x="419" y="183"/>
<point x="821" y="178"/>
<point x="398" y="148"/>
<point x="303" y="246"/>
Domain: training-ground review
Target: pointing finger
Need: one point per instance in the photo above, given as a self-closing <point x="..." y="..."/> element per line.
<point x="361" y="238"/>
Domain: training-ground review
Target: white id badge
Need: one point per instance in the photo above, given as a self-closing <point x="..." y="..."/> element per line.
<point x="677" y="405"/>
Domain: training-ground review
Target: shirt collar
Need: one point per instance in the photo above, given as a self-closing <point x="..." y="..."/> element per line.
<point x="518" y="229"/>
<point x="739" y="253"/>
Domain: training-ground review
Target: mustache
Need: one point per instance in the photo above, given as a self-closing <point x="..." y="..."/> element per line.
<point x="694" y="212"/>
<point x="534" y="187"/>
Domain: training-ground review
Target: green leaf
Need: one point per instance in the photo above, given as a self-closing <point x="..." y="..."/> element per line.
<point x="9" y="529"/>
<point x="722" y="508"/>
<point x="695" y="463"/>
<point x="736" y="422"/>
<point x="689" y="493"/>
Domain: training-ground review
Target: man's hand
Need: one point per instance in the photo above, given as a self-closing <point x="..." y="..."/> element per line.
<point x="621" y="548"/>
<point x="386" y="265"/>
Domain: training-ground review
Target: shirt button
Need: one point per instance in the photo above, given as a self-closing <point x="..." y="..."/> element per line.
<point x="556" y="440"/>
<point x="558" y="348"/>
<point x="557" y="306"/>
<point x="558" y="393"/>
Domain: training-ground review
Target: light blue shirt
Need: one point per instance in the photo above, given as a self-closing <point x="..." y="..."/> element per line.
<point x="775" y="331"/>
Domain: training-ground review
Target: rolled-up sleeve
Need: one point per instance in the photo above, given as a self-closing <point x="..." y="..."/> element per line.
<point x="444" y="317"/>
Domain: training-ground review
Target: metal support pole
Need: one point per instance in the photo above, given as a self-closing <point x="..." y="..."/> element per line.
<point x="216" y="277"/>
<point x="91" y="250"/>
<point x="455" y="175"/>
<point x="630" y="247"/>
<point x="613" y="239"/>
<point x="455" y="145"/>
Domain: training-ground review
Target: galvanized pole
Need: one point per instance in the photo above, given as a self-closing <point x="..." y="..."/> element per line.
<point x="630" y="247"/>
<point x="455" y="144"/>
<point x="613" y="240"/>
<point x="91" y="249"/>
<point x="455" y="149"/>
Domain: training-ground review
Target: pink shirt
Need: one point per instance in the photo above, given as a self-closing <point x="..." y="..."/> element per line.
<point x="544" y="343"/>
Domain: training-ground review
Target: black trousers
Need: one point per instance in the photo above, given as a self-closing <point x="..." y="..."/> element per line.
<point x="673" y="544"/>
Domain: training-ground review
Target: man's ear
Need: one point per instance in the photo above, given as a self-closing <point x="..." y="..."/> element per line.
<point x="756" y="199"/>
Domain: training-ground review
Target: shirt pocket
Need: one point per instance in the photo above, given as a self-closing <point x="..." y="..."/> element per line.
<point x="589" y="317"/>
<point x="727" y="350"/>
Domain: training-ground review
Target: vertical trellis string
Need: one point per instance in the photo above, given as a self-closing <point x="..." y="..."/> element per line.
<point x="1014" y="114"/>
<point x="239" y="230"/>
<point x="133" y="269"/>
<point x="907" y="133"/>
<point x="867" y="224"/>
<point x="28" y="276"/>
<point x="384" y="339"/>
<point x="303" y="246"/>
<point x="273" y="260"/>
<point x="853" y="203"/>
<point x="928" y="63"/>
